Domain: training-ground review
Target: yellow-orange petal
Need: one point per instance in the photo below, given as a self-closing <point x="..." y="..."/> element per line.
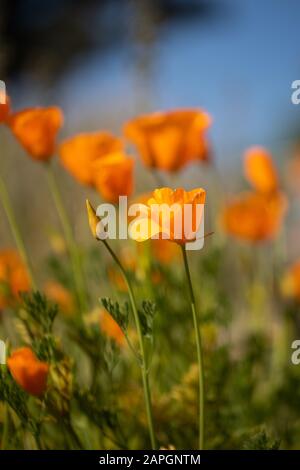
<point x="92" y="218"/>
<point x="78" y="153"/>
<point x="260" y="170"/>
<point x="28" y="371"/>
<point x="36" y="130"/>
<point x="175" y="214"/>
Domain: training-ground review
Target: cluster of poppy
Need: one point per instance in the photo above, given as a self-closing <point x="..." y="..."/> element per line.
<point x="166" y="141"/>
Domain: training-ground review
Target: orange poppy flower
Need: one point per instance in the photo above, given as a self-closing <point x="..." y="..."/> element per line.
<point x="254" y="216"/>
<point x="79" y="152"/>
<point x="260" y="170"/>
<point x="4" y="109"/>
<point x="13" y="277"/>
<point x="111" y="328"/>
<point x="36" y="130"/>
<point x="61" y="296"/>
<point x="113" y="176"/>
<point x="173" y="214"/>
<point x="291" y="282"/>
<point x="30" y="373"/>
<point x="170" y="140"/>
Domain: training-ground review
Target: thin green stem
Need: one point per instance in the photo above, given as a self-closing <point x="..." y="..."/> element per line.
<point x="71" y="244"/>
<point x="199" y="350"/>
<point x="143" y="364"/>
<point x="8" y="208"/>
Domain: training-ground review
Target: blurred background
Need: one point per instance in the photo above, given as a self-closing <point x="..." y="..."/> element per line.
<point x="106" y="61"/>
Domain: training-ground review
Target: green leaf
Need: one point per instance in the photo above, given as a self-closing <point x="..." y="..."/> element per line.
<point x="146" y="317"/>
<point x="40" y="310"/>
<point x="119" y="313"/>
<point x="261" y="441"/>
<point x="12" y="394"/>
<point x="99" y="415"/>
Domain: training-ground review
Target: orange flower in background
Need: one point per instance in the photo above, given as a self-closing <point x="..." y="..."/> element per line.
<point x="79" y="152"/>
<point x="254" y="217"/>
<point x="36" y="129"/>
<point x="164" y="250"/>
<point x="257" y="215"/>
<point x="61" y="296"/>
<point x="113" y="176"/>
<point x="30" y="373"/>
<point x="177" y="214"/>
<point x="13" y="277"/>
<point x="4" y="108"/>
<point x="111" y="328"/>
<point x="291" y="282"/>
<point x="260" y="171"/>
<point x="170" y="140"/>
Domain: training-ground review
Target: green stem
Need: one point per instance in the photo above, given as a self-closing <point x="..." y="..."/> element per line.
<point x="199" y="349"/>
<point x="143" y="364"/>
<point x="5" y="199"/>
<point x="68" y="233"/>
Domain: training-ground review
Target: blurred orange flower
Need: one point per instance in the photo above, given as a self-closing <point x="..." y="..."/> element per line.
<point x="61" y="296"/>
<point x="4" y="110"/>
<point x="111" y="328"/>
<point x="164" y="250"/>
<point x="254" y="216"/>
<point x="36" y="130"/>
<point x="30" y="373"/>
<point x="13" y="277"/>
<point x="97" y="159"/>
<point x="113" y="176"/>
<point x="79" y="152"/>
<point x="169" y="140"/>
<point x="260" y="170"/>
<point x="291" y="282"/>
<point x="171" y="217"/>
